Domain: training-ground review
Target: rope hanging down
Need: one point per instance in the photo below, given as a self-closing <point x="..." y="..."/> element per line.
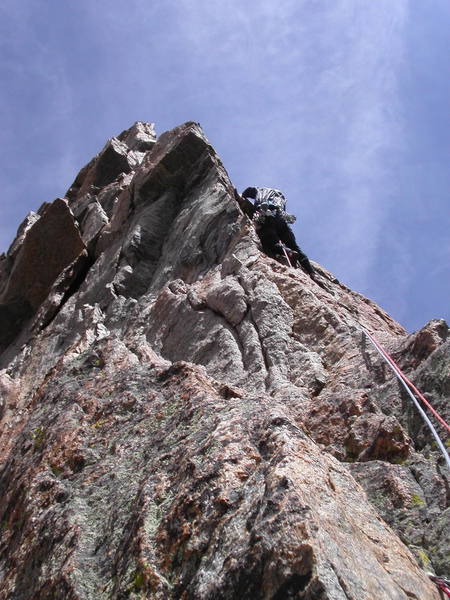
<point x="408" y="381"/>
<point x="442" y="583"/>
<point x="404" y="381"/>
<point x="286" y="254"/>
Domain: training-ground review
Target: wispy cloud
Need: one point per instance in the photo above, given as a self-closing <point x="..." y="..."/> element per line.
<point x="307" y="91"/>
<point x="37" y="105"/>
<point x="370" y="136"/>
<point x="303" y="95"/>
<point x="313" y="88"/>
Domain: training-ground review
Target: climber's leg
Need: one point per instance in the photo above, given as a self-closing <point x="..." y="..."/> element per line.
<point x="269" y="237"/>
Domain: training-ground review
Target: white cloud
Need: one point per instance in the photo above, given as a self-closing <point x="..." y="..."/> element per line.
<point x="299" y="94"/>
<point x="35" y="109"/>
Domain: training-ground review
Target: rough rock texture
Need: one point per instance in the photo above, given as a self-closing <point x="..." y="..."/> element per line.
<point x="46" y="244"/>
<point x="183" y="417"/>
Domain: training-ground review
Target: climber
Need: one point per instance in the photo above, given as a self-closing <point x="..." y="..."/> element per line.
<point x="272" y="225"/>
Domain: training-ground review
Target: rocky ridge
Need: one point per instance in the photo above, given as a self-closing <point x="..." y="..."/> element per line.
<point x="183" y="417"/>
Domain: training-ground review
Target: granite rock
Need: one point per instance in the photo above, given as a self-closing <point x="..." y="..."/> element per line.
<point x="184" y="417"/>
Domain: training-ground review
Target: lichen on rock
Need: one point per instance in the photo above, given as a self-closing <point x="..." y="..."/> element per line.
<point x="184" y="417"/>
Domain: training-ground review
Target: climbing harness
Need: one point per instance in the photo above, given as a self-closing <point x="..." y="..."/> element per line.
<point x="442" y="583"/>
<point x="405" y="382"/>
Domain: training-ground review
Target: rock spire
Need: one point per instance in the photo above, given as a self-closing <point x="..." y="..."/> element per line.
<point x="183" y="417"/>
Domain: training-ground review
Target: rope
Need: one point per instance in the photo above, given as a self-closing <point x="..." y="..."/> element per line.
<point x="408" y="381"/>
<point x="286" y="254"/>
<point x="442" y="583"/>
<point x="393" y="366"/>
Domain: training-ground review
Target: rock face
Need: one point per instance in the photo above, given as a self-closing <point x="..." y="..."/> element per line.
<point x="183" y="417"/>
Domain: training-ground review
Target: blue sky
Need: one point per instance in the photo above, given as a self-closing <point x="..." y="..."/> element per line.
<point x="342" y="104"/>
